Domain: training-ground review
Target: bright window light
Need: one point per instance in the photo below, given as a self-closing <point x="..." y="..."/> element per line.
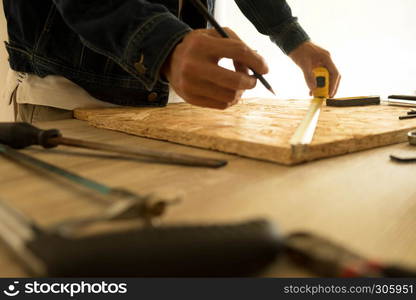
<point x="373" y="43"/>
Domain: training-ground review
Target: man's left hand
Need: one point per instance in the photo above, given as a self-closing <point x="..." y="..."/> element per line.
<point x="309" y="56"/>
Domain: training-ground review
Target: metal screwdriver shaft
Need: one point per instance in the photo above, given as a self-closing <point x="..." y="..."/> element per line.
<point x="203" y="10"/>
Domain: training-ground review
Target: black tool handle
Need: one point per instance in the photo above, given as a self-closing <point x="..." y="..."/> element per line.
<point x="403" y="97"/>
<point x="399" y="272"/>
<point x="180" y="251"/>
<point x="21" y="135"/>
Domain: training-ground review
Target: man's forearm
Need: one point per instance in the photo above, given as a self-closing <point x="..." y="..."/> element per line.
<point x="274" y="18"/>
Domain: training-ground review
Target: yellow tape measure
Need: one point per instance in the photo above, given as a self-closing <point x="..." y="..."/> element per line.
<point x="321" y="76"/>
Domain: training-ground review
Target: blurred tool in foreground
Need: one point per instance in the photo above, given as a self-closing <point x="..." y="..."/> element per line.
<point x="328" y="259"/>
<point x="166" y="251"/>
<point x="221" y="250"/>
<point x="22" y="135"/>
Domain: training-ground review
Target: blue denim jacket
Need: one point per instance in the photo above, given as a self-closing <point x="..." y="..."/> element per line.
<point x="115" y="49"/>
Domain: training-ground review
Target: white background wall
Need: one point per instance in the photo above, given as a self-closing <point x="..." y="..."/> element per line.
<point x="373" y="43"/>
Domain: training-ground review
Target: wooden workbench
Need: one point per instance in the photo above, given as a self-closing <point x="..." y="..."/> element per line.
<point x="361" y="200"/>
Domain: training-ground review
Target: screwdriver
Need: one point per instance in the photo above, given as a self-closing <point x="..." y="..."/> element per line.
<point x="328" y="259"/>
<point x="21" y="135"/>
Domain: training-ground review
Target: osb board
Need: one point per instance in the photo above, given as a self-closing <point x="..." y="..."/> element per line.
<point x="260" y="128"/>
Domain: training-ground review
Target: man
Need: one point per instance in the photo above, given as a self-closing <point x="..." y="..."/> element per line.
<point x="77" y="53"/>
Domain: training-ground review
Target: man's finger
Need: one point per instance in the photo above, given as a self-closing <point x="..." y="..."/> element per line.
<point x="227" y="78"/>
<point x="334" y="90"/>
<point x="207" y="102"/>
<point x="310" y="81"/>
<point x="212" y="91"/>
<point x="239" y="67"/>
<point x="235" y="50"/>
<point x="334" y="79"/>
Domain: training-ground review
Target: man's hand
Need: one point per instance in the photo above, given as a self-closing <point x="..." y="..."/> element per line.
<point x="309" y="56"/>
<point x="193" y="72"/>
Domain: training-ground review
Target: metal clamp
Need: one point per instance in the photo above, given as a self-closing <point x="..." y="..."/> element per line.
<point x="411" y="135"/>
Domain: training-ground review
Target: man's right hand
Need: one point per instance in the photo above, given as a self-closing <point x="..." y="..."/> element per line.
<point x="193" y="71"/>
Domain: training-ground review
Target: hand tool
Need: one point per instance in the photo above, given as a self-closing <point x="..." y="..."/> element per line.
<point x="328" y="259"/>
<point x="410" y="115"/>
<point x="135" y="205"/>
<point x="402" y="159"/>
<point x="203" y="10"/>
<point x="403" y="97"/>
<point x="119" y="211"/>
<point x="400" y="102"/>
<point x="411" y="136"/>
<point x="304" y="134"/>
<point x="21" y="135"/>
<point x="353" y="101"/>
<point x="221" y="250"/>
<point x="178" y="251"/>
<point x="407" y="117"/>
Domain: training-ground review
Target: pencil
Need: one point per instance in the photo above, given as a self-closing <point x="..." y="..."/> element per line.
<point x="203" y="10"/>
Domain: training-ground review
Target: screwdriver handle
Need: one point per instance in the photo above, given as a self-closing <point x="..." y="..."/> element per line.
<point x="20" y="135"/>
<point x="398" y="272"/>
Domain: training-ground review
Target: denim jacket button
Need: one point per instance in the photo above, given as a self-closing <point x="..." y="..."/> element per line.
<point x="152" y="97"/>
<point x="140" y="68"/>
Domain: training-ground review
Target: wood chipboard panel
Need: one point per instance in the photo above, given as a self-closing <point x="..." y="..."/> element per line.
<point x="260" y="128"/>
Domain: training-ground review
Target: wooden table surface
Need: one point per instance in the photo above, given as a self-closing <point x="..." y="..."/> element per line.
<point x="362" y="200"/>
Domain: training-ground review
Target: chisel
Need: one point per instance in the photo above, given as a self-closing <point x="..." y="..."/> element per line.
<point x="22" y="135"/>
<point x="304" y="134"/>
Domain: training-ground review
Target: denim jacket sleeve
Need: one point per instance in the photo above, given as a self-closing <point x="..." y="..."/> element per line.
<point x="274" y="18"/>
<point x="136" y="34"/>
